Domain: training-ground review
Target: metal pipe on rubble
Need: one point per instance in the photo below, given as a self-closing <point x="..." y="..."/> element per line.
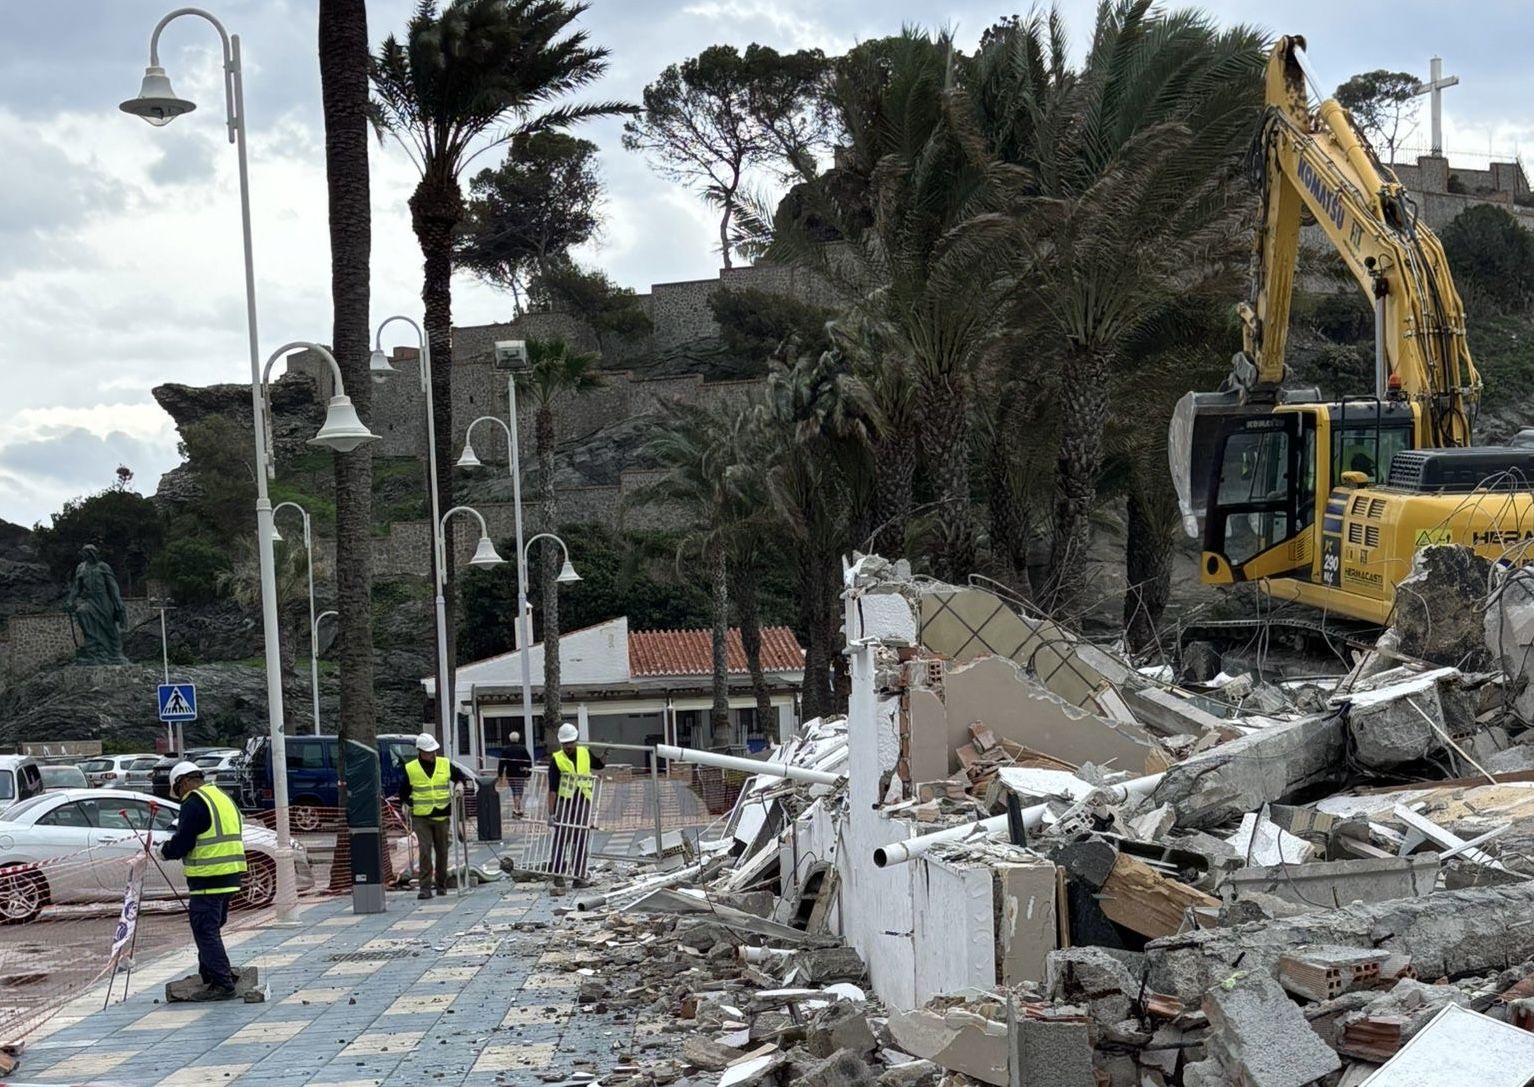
<point x="901" y="852"/>
<point x="749" y="766"/>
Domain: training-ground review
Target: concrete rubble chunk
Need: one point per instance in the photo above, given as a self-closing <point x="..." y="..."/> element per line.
<point x="1261" y="1037"/>
<point x="707" y="1054"/>
<point x="843" y="1069"/>
<point x="1461" y="1047"/>
<point x="958" y="1040"/>
<point x="1445" y="933"/>
<point x="1329" y="884"/>
<point x="917" y="1073"/>
<point x="841" y="1027"/>
<point x="1262" y="767"/>
<point x="827" y="964"/>
<point x="1053" y="1053"/>
<point x="1438" y="607"/>
<point x="1508" y="628"/>
<point x="1404" y="721"/>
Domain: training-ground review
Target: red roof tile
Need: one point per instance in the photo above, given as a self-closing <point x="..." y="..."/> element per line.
<point x="691" y="652"/>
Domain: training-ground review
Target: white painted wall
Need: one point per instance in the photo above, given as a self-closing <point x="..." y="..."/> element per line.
<point x="953" y="927"/>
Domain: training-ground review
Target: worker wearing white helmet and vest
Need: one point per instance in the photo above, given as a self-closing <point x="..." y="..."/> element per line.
<point x="570" y="793"/>
<point x="428" y="789"/>
<point x="210" y="844"/>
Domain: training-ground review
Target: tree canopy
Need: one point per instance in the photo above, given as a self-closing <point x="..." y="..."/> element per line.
<point x="1384" y="104"/>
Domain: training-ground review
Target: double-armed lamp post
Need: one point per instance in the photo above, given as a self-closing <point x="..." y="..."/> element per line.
<point x="343" y="431"/>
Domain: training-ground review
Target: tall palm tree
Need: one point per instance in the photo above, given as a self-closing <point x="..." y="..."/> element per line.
<point x="467" y="78"/>
<point x="1127" y="189"/>
<point x="555" y="371"/>
<point x="813" y="430"/>
<point x="699" y="451"/>
<point x="902" y="186"/>
<point x="343" y="51"/>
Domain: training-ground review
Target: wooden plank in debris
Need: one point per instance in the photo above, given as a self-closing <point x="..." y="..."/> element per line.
<point x="1138" y="897"/>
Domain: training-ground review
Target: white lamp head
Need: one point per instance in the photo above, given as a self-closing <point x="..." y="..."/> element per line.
<point x="567" y="574"/>
<point x="485" y="554"/>
<point x="157" y="103"/>
<point x="379" y="363"/>
<point x="342" y="431"/>
<point x="467" y="459"/>
<point x="276" y="536"/>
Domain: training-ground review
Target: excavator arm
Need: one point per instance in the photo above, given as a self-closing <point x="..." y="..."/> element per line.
<point x="1318" y="161"/>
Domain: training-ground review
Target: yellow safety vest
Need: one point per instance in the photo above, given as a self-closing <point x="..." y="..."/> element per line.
<point x="574" y="775"/>
<point x="427" y="794"/>
<point x="220" y="850"/>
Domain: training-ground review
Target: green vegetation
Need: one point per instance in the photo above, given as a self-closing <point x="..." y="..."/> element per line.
<point x="191" y="570"/>
<point x="124" y="525"/>
<point x="1492" y="258"/>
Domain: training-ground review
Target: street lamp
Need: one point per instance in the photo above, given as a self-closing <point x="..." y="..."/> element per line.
<point x="314" y="643"/>
<point x="158" y="104"/>
<point x="485" y="555"/>
<point x="314" y="660"/>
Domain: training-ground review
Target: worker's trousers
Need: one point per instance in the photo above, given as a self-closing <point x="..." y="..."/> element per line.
<point x="431" y="836"/>
<point x="207" y="914"/>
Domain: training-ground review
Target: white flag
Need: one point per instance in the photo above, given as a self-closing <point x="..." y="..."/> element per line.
<point x="127" y="921"/>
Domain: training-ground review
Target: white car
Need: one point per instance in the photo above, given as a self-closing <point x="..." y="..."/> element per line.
<point x="221" y="768"/>
<point x="74" y="846"/>
<point x="115" y="771"/>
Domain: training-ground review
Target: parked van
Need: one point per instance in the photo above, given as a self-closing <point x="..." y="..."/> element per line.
<point x="20" y="778"/>
<point x="312" y="774"/>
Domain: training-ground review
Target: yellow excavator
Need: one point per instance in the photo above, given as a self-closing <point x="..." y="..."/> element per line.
<point x="1325" y="503"/>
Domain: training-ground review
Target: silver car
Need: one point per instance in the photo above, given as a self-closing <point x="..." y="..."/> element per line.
<point x="111" y="771"/>
<point x="74" y="846"/>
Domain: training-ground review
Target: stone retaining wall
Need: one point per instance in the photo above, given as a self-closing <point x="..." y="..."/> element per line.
<point x="32" y="641"/>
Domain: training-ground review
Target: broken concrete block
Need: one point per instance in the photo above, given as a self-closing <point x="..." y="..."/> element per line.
<point x="1089" y="861"/>
<point x="1446" y="932"/>
<point x="1261" y="841"/>
<point x="1439" y="605"/>
<point x="1054" y="1053"/>
<point x="957" y="1040"/>
<point x="1172" y="714"/>
<point x="1080" y="974"/>
<point x="1329" y="884"/>
<point x="707" y="1054"/>
<point x="1262" y="767"/>
<point x="1261" y="1035"/>
<point x="1402" y="721"/>
<point x="842" y="1069"/>
<point x="1514" y="760"/>
<point x="1509" y="632"/>
<point x="910" y="1074"/>
<point x="826" y="964"/>
<point x="1027" y="921"/>
<point x="842" y="1026"/>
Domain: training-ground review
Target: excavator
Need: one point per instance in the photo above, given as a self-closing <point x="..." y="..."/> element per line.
<point x="1325" y="502"/>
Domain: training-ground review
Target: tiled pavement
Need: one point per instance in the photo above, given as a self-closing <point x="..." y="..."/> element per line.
<point x="469" y="990"/>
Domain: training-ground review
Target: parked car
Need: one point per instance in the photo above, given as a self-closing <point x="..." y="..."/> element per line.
<point x="221" y="769"/>
<point x="20" y="778"/>
<point x="159" y="774"/>
<point x="138" y="772"/>
<point x="106" y="827"/>
<point x="108" y="771"/>
<point x="312" y="778"/>
<point x="63" y="776"/>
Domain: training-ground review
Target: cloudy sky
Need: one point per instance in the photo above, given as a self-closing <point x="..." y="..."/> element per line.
<point x="119" y="243"/>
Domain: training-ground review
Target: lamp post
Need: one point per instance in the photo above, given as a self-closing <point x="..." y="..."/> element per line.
<point x="566" y="576"/>
<point x="484" y="555"/>
<point x="524" y="621"/>
<point x="314" y="643"/>
<point x="314" y="660"/>
<point x="158" y="104"/>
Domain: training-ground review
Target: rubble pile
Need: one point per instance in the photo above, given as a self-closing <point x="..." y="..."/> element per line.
<point x="1023" y="862"/>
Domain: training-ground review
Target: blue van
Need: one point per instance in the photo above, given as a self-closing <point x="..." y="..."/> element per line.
<point x="312" y="778"/>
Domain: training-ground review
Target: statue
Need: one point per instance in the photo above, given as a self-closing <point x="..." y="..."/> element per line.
<point x="96" y="606"/>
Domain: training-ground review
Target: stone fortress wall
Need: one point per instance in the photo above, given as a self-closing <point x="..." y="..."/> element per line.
<point x="680" y="315"/>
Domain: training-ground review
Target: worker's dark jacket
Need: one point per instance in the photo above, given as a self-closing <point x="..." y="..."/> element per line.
<point x="454" y="775"/>
<point x="194" y="819"/>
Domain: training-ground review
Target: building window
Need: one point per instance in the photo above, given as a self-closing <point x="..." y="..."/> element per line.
<point x="750" y="725"/>
<point x="687" y="722"/>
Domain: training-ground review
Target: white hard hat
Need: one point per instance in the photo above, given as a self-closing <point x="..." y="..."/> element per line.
<point x="516" y="737"/>
<point x="427" y="742"/>
<point x="568" y="734"/>
<point x="182" y="769"/>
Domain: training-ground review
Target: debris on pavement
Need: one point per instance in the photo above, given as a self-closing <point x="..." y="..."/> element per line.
<point x="1026" y="862"/>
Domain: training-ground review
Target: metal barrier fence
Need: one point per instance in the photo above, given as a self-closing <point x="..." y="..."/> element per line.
<point x="557" y="839"/>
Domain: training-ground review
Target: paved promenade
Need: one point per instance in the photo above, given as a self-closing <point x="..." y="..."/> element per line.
<point x="477" y="990"/>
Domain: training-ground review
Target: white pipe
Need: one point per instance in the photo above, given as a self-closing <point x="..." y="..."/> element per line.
<point x="598" y="899"/>
<point x="750" y="766"/>
<point x="901" y="852"/>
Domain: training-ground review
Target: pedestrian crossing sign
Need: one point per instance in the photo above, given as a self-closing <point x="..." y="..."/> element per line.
<point x="178" y="702"/>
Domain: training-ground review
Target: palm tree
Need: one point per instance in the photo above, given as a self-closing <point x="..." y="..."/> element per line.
<point x="902" y="186"/>
<point x="343" y="49"/>
<point x="555" y="370"/>
<point x="813" y="431"/>
<point x="468" y="78"/>
<point x="699" y="451"/>
<point x="1126" y="199"/>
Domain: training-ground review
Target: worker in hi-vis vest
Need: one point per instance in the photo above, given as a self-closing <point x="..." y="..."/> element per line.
<point x="428" y="789"/>
<point x="210" y="844"/>
<point x="570" y="791"/>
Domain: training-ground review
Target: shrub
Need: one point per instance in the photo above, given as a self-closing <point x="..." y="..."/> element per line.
<point x="190" y="569"/>
<point x="125" y="526"/>
<point x="1492" y="258"/>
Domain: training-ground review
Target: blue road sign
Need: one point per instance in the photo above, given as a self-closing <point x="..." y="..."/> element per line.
<point x="178" y="702"/>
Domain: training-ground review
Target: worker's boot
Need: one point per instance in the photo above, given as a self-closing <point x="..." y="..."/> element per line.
<point x="559" y="886"/>
<point x="424" y="892"/>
